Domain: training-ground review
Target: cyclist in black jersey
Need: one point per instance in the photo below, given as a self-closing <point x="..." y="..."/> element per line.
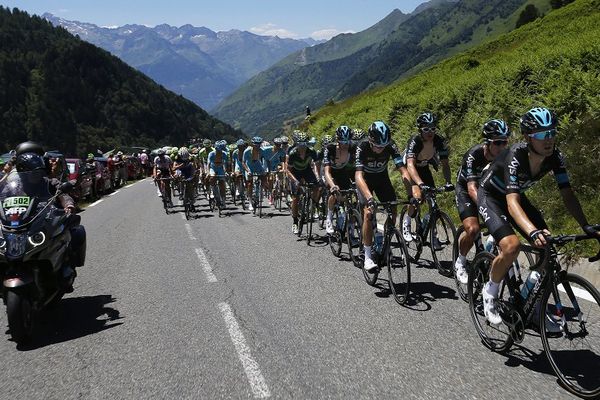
<point x="339" y="162"/>
<point x="301" y="167"/>
<point x="426" y="147"/>
<point x="495" y="134"/>
<point x="502" y="201"/>
<point x="371" y="176"/>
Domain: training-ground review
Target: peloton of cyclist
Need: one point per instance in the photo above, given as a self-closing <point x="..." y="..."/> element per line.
<point x="372" y="157"/>
<point x="495" y="134"/>
<point x="503" y="204"/>
<point x="339" y="162"/>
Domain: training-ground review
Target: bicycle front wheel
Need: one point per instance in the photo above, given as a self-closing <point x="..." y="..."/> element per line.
<point x="354" y="238"/>
<point x="310" y="219"/>
<point x="495" y="337"/>
<point x="336" y="238"/>
<point x="398" y="263"/>
<point x="570" y="331"/>
<point x="442" y="238"/>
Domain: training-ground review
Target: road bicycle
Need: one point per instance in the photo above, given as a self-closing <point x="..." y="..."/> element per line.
<point x="188" y="192"/>
<point x="306" y="210"/>
<point x="215" y="201"/>
<point x="257" y="194"/>
<point x="563" y="306"/>
<point x="436" y="230"/>
<point x="166" y="199"/>
<point x="343" y="227"/>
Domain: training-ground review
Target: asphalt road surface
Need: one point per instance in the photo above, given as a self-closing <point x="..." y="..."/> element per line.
<point x="238" y="307"/>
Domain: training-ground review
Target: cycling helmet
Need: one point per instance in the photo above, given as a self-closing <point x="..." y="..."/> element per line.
<point x="284" y="140"/>
<point x="379" y="134"/>
<point x="300" y="138"/>
<point x="496" y="129"/>
<point x="161" y="152"/>
<point x="90" y="156"/>
<point x="29" y="147"/>
<point x="426" y="119"/>
<point x="312" y="141"/>
<point x="206" y="143"/>
<point x="343" y="134"/>
<point x="326" y="139"/>
<point x="195" y="150"/>
<point x="277" y="141"/>
<point x="257" y="140"/>
<point x="538" y="119"/>
<point x="358" y="135"/>
<point x="240" y="142"/>
<point x="184" y="153"/>
<point x="221" y="145"/>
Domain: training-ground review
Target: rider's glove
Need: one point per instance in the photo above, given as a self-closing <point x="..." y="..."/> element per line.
<point x="533" y="235"/>
<point x="334" y="189"/>
<point x="372" y="203"/>
<point x="449" y="187"/>
<point x="423" y="187"/>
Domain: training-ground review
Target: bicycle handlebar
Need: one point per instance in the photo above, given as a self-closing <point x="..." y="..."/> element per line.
<point x="561" y="240"/>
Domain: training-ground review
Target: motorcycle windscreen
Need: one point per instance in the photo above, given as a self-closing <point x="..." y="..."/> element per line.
<point x="21" y="193"/>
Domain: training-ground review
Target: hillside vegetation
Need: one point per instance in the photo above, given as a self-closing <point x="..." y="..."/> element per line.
<point x="553" y="61"/>
<point x="68" y="94"/>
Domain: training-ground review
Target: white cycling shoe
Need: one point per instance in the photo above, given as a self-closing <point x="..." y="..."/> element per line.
<point x="406" y="231"/>
<point x="370" y="265"/>
<point x="490" y="308"/>
<point x="461" y="273"/>
<point x="329" y="227"/>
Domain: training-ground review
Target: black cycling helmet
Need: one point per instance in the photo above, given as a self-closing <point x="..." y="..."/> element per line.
<point x="496" y="129"/>
<point x="343" y="134"/>
<point x="426" y="119"/>
<point x="379" y="134"/>
<point x="538" y="119"/>
<point x="29" y="147"/>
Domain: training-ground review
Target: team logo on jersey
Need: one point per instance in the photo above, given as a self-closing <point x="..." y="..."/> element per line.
<point x="484" y="213"/>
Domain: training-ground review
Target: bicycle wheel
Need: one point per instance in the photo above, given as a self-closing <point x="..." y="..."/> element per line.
<point x="260" y="199"/>
<point x="310" y="218"/>
<point x="442" y="237"/>
<point x="414" y="246"/>
<point x="460" y="288"/>
<point x="572" y="306"/>
<point x="354" y="238"/>
<point x="301" y="214"/>
<point x="336" y="238"/>
<point x="495" y="337"/>
<point x="398" y="263"/>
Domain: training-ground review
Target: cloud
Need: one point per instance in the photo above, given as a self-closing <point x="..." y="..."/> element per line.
<point x="327" y="33"/>
<point x="270" y="29"/>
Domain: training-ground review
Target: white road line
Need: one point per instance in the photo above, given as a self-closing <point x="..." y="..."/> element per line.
<point x="130" y="185"/>
<point x="96" y="202"/>
<point x="210" y="276"/>
<point x="190" y="232"/>
<point x="255" y="377"/>
<point x="582" y="294"/>
<point x="115" y="192"/>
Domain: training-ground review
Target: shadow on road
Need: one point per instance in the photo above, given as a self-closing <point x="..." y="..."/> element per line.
<point x="75" y="317"/>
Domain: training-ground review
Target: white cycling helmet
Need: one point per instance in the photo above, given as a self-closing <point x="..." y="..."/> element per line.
<point x="184" y="153"/>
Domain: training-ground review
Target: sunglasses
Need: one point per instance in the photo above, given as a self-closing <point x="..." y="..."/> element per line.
<point x="498" y="142"/>
<point x="343" y="141"/>
<point x="550" y="134"/>
<point x="428" y="129"/>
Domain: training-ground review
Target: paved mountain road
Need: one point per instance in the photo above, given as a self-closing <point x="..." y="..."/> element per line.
<point x="238" y="307"/>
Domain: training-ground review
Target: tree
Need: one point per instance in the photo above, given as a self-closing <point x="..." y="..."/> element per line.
<point x="529" y="14"/>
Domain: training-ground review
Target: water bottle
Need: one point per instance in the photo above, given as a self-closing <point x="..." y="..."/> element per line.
<point x="378" y="241"/>
<point x="340" y="220"/>
<point x="529" y="283"/>
<point x="489" y="243"/>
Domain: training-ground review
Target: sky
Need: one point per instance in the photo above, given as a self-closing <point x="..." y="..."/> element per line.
<point x="319" y="19"/>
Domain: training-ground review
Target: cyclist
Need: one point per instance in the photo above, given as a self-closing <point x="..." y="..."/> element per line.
<point x="301" y="167"/>
<point x="372" y="177"/>
<point x="274" y="158"/>
<point x="358" y="136"/>
<point x="162" y="169"/>
<point x="203" y="153"/>
<point x="503" y="204"/>
<point x="253" y="164"/>
<point x="217" y="162"/>
<point x="426" y="147"/>
<point x="339" y="162"/>
<point x="238" y="163"/>
<point x="495" y="134"/>
<point x="185" y="169"/>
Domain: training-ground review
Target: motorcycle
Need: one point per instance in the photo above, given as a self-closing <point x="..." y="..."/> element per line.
<point x="40" y="247"/>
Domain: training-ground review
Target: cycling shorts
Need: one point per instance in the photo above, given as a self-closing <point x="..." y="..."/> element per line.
<point x="494" y="212"/>
<point x="342" y="178"/>
<point x="465" y="205"/>
<point x="304" y="175"/>
<point x="380" y="185"/>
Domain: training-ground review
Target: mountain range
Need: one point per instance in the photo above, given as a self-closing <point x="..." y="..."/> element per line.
<point x="196" y="62"/>
<point x="348" y="64"/>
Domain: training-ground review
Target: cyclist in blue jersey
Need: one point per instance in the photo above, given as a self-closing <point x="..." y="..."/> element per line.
<point x="253" y="164"/>
<point x="495" y="134"/>
<point x="184" y="168"/>
<point x="274" y="159"/>
<point x="503" y="204"/>
<point x="238" y="163"/>
<point x="217" y="162"/>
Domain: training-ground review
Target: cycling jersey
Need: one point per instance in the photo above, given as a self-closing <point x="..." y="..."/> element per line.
<point x="204" y="152"/>
<point x="237" y="158"/>
<point x="510" y="172"/>
<point x="255" y="165"/>
<point x="473" y="165"/>
<point x="371" y="162"/>
<point x="342" y="171"/>
<point x="163" y="164"/>
<point x="273" y="158"/>
<point x="217" y="167"/>
<point x="186" y="167"/>
<point x="297" y="163"/>
<point x="416" y="149"/>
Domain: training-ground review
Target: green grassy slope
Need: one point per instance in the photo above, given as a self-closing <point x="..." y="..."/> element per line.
<point x="553" y="61"/>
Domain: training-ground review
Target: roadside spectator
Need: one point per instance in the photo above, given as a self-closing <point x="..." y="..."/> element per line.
<point x="307" y="112"/>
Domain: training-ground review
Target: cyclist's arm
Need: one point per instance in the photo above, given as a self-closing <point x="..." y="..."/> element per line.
<point x="328" y="177"/>
<point x="361" y="184"/>
<point x="446" y="170"/>
<point x="572" y="204"/>
<point x="472" y="189"/>
<point x="412" y="171"/>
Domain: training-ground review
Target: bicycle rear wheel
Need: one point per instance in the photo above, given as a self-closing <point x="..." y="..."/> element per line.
<point x="442" y="238"/>
<point x="354" y="238"/>
<point x="572" y="307"/>
<point x="495" y="337"/>
<point x="337" y="237"/>
<point x="398" y="263"/>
